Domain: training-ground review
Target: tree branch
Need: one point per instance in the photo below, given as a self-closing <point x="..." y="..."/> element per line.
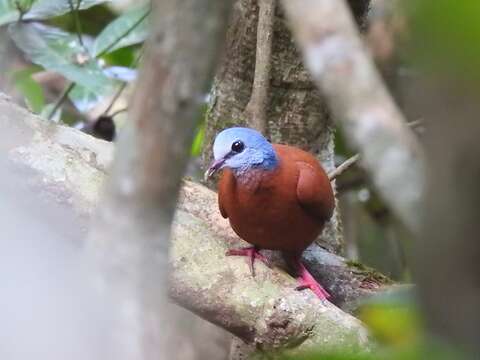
<point x="69" y="166"/>
<point x="347" y="164"/>
<point x="344" y="71"/>
<point x="256" y="109"/>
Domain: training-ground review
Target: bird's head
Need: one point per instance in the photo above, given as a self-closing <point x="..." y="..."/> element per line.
<point x="241" y="149"/>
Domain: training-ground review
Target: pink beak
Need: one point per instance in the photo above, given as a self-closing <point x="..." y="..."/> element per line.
<point x="213" y="168"/>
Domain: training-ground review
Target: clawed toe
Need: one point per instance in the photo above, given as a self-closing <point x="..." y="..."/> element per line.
<point x="306" y="281"/>
<point x="252" y="253"/>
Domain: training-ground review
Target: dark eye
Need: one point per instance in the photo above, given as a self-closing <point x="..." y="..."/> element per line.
<point x="238" y="146"/>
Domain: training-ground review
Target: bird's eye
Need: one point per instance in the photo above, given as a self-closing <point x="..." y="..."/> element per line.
<point x="238" y="146"/>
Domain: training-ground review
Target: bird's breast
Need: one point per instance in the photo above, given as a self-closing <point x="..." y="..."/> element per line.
<point x="263" y="210"/>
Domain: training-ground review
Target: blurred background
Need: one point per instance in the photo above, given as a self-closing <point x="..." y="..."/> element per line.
<point x="75" y="63"/>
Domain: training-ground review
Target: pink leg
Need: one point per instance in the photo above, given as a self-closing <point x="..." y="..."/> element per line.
<point x="252" y="253"/>
<point x="307" y="281"/>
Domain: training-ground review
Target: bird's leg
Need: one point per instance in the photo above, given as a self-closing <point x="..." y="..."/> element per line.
<point x="253" y="253"/>
<point x="306" y="281"/>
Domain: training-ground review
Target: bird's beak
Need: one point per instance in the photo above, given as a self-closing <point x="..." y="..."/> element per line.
<point x="213" y="168"/>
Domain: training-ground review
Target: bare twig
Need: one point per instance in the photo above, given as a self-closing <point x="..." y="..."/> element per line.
<point x="122" y="87"/>
<point x="360" y="102"/>
<point x="256" y="109"/>
<point x="343" y="167"/>
<point x="416" y="124"/>
<point x="115" y="98"/>
<point x="347" y="164"/>
<point x="61" y="99"/>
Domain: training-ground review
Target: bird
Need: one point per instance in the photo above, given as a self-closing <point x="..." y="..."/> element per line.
<point x="275" y="196"/>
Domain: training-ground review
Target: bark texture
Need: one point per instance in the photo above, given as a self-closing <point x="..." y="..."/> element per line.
<point x="69" y="167"/>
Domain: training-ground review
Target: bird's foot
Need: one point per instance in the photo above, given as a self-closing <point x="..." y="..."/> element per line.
<point x="252" y="253"/>
<point x="307" y="281"/>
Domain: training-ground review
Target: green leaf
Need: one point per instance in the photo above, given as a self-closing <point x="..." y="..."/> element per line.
<point x="60" y="51"/>
<point x="128" y="29"/>
<point x="40" y="9"/>
<point x="29" y="88"/>
<point x="197" y="144"/>
<point x="8" y="12"/>
<point x="122" y="57"/>
<point x="44" y="9"/>
<point x="83" y="99"/>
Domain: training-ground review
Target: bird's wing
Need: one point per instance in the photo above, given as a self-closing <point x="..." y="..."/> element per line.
<point x="314" y="192"/>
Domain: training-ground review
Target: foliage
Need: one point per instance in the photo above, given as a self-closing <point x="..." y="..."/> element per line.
<point x="197" y="144"/>
<point x="393" y="317"/>
<point x="95" y="66"/>
<point x="12" y="10"/>
<point x="418" y="352"/>
<point x="88" y="63"/>
<point x="451" y="29"/>
<point x="129" y="29"/>
<point x="61" y="52"/>
<point x="32" y="91"/>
